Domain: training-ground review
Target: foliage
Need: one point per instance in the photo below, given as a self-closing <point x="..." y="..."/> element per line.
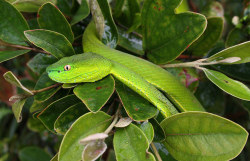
<point x="106" y="120"/>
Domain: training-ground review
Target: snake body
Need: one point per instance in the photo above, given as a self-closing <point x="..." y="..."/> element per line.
<point x="142" y="76"/>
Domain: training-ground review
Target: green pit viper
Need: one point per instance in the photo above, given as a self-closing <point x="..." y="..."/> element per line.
<point x="140" y="75"/>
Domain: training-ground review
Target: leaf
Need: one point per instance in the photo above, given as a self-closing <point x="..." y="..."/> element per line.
<point x="138" y="108"/>
<point x="17" y="109"/>
<point x="203" y="136"/>
<point x="68" y="117"/>
<point x="110" y="35"/>
<point x="35" y="125"/>
<point x="94" y="150"/>
<point x="69" y="85"/>
<point x="81" y="13"/>
<point x="236" y="36"/>
<point x="12" y="24"/>
<point x="11" y="78"/>
<point x="49" y="115"/>
<point x="51" y="18"/>
<point x="159" y="134"/>
<point x="43" y="82"/>
<point x="240" y="50"/>
<point x="162" y="41"/>
<point x="209" y="38"/>
<point x="232" y="87"/>
<point x="30" y="5"/>
<point x="130" y="143"/>
<point x="32" y="153"/>
<point x="90" y="123"/>
<point x="7" y="55"/>
<point x="130" y="42"/>
<point x="40" y="62"/>
<point x="96" y="94"/>
<point x="4" y="112"/>
<point x="213" y="9"/>
<point x="148" y="130"/>
<point x="50" y="41"/>
<point x="55" y="158"/>
<point x="124" y="122"/>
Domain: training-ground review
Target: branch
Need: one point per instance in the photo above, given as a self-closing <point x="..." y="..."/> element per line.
<point x="114" y="121"/>
<point x="156" y="152"/>
<point x="47" y="88"/>
<point x="24" y="47"/>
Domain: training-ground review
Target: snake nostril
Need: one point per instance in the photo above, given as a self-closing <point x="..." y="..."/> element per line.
<point x="59" y="71"/>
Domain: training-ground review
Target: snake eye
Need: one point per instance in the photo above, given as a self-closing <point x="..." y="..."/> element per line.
<point x="67" y="67"/>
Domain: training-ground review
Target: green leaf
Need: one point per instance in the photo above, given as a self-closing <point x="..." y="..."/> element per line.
<point x="81" y="13"/>
<point x="68" y="117"/>
<point x="203" y="136"/>
<point x="32" y="153"/>
<point x="69" y="85"/>
<point x="236" y="36"/>
<point x="35" y="125"/>
<point x="40" y="62"/>
<point x="110" y="35"/>
<point x="233" y="87"/>
<point x="7" y="55"/>
<point x="12" y="24"/>
<point x="17" y="109"/>
<point x="4" y="112"/>
<point x="12" y="79"/>
<point x="51" y="18"/>
<point x="130" y="143"/>
<point x="209" y="38"/>
<point x="130" y="42"/>
<point x="93" y="150"/>
<point x="183" y="7"/>
<point x="159" y="134"/>
<point x="96" y="94"/>
<point x="49" y="115"/>
<point x="148" y="130"/>
<point x="50" y="41"/>
<point x="138" y="108"/>
<point x="55" y="158"/>
<point x="241" y="51"/>
<point x="43" y="82"/>
<point x="162" y="40"/>
<point x="90" y="123"/>
<point x="30" y="5"/>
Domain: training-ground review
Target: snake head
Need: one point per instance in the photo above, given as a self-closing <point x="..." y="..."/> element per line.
<point x="87" y="67"/>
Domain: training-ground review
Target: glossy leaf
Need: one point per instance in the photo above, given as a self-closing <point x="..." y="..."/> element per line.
<point x="209" y="38"/>
<point x="17" y="109"/>
<point x="32" y="153"/>
<point x="69" y="85"/>
<point x="68" y="117"/>
<point x="50" y="41"/>
<point x="96" y="94"/>
<point x="7" y="55"/>
<point x="35" y="125"/>
<point x="81" y="13"/>
<point x="30" y="5"/>
<point x="55" y="158"/>
<point x="130" y="143"/>
<point x="162" y="41"/>
<point x="233" y="87"/>
<point x="130" y="42"/>
<point x="12" y="24"/>
<point x="124" y="122"/>
<point x="12" y="79"/>
<point x="159" y="134"/>
<point x="148" y="130"/>
<point x="138" y="108"/>
<point x="240" y="50"/>
<point x="110" y="35"/>
<point x="183" y="7"/>
<point x="213" y="9"/>
<point x="51" y="18"/>
<point x="163" y="152"/>
<point x="90" y="123"/>
<point x="49" y="115"/>
<point x="211" y="138"/>
<point x="43" y="82"/>
<point x="39" y="63"/>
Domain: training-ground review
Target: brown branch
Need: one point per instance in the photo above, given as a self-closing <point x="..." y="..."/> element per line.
<point x="24" y="47"/>
<point x="47" y="88"/>
<point x="124" y="27"/>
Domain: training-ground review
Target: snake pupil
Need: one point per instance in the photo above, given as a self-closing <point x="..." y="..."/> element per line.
<point x="67" y="67"/>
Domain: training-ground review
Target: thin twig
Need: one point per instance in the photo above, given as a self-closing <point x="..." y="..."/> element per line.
<point x="24" y="47"/>
<point x="116" y="116"/>
<point x="156" y="152"/>
<point x="47" y="88"/>
<point x="124" y="27"/>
